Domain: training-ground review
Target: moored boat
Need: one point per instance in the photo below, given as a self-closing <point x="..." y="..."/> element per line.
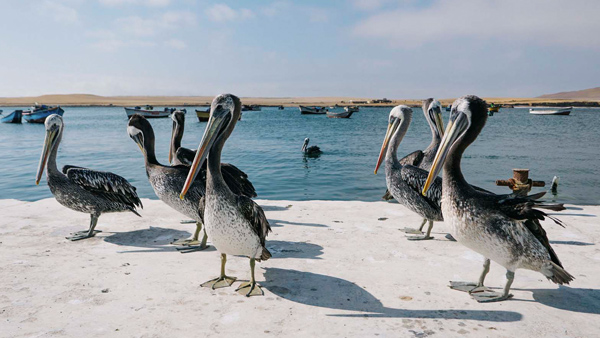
<point x="563" y="111"/>
<point x="203" y="115"/>
<point x="39" y="113"/>
<point x="351" y="109"/>
<point x="493" y="108"/>
<point x="14" y="117"/>
<point x="339" y="115"/>
<point x="251" y="107"/>
<point x="148" y="112"/>
<point x="313" y="110"/>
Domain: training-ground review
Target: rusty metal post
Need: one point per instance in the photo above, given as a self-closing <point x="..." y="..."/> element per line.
<point x="520" y="183"/>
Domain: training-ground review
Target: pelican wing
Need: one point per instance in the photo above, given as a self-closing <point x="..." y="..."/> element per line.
<point x="413" y="158"/>
<point x="106" y="185"/>
<point x="185" y="156"/>
<point x="387" y="196"/>
<point x="256" y="216"/>
<point x="416" y="177"/>
<point x="237" y="180"/>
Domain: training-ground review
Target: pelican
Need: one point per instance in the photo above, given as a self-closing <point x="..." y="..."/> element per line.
<point x="505" y="230"/>
<point x="312" y="150"/>
<point x="81" y="189"/>
<point x="235" y="223"/>
<point x="168" y="180"/>
<point x="432" y="109"/>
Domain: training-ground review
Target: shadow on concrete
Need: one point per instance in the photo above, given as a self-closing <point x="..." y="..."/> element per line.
<point x="571" y="243"/>
<point x="285" y="249"/>
<point x="273" y="208"/>
<point x="569" y="299"/>
<point x="280" y="223"/>
<point x="339" y="294"/>
<point x="153" y="239"/>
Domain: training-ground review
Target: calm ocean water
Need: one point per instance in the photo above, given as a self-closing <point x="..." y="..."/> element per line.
<point x="266" y="145"/>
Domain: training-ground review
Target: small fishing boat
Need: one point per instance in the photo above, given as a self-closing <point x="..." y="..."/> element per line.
<point x="449" y="107"/>
<point x="14" y="117"/>
<point x="39" y="113"/>
<point x="251" y="107"/>
<point x="148" y="112"/>
<point x="563" y="111"/>
<point x="203" y="115"/>
<point x="312" y="110"/>
<point x="280" y="108"/>
<point x="351" y="109"/>
<point x="339" y="114"/>
<point x="1" y="111"/>
<point x="493" y="108"/>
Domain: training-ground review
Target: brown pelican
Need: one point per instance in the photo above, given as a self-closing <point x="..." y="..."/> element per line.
<point x="168" y="180"/>
<point x="81" y="189"/>
<point x="404" y="181"/>
<point x="235" y="223"/>
<point x="505" y="230"/>
<point x="312" y="150"/>
<point x="432" y="109"/>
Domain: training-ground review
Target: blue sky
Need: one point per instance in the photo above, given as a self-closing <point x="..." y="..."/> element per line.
<point x="368" y="48"/>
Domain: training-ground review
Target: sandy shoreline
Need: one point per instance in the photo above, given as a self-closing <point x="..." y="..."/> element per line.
<point x="95" y="100"/>
<point x="338" y="269"/>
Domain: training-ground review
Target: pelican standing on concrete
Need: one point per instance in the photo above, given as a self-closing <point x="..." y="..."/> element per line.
<point x="81" y="189"/>
<point x="168" y="180"/>
<point x="235" y="223"/>
<point x="432" y="109"/>
<point x="505" y="230"/>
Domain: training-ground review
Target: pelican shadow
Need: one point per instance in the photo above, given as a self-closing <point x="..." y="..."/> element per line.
<point x="279" y="223"/>
<point x="338" y="294"/>
<point x="570" y="299"/>
<point x="153" y="239"/>
<point x="285" y="249"/>
<point x="571" y="243"/>
<point x="274" y="208"/>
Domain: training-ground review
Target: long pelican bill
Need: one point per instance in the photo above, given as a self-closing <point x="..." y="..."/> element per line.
<point x="210" y="135"/>
<point x="49" y="142"/>
<point x="456" y="127"/>
<point x="439" y="122"/>
<point x="391" y="129"/>
<point x="172" y="138"/>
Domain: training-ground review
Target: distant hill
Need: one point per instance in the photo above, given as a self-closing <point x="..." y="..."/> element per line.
<point x="586" y="94"/>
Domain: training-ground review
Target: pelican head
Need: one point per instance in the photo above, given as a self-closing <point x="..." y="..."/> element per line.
<point x="139" y="129"/>
<point x="434" y="114"/>
<point x="467" y="118"/>
<point x="225" y="111"/>
<point x="399" y="116"/>
<point x="54" y="126"/>
<point x="305" y="144"/>
<point x="178" y="118"/>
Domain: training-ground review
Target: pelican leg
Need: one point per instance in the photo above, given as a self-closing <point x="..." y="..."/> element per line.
<point x="250" y="288"/>
<point x="471" y="287"/>
<point x="221" y="281"/>
<point x="423" y="237"/>
<point x="413" y="231"/>
<point x="202" y="246"/>
<point x="191" y="241"/>
<point x="489" y="296"/>
<point x="79" y="235"/>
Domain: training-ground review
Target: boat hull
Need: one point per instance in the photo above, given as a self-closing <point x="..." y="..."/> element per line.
<point x="14" y="117"/>
<point x="203" y="115"/>
<point x="149" y="114"/>
<point x="39" y="116"/>
<point x="341" y="115"/>
<point x="312" y="110"/>
<point x="565" y="111"/>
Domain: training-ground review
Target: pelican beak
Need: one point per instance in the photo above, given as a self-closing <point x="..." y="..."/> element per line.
<point x="139" y="140"/>
<point x="171" y="150"/>
<point x="49" y="142"/>
<point x="218" y="118"/>
<point x="392" y="127"/>
<point x="439" y="122"/>
<point x="456" y="127"/>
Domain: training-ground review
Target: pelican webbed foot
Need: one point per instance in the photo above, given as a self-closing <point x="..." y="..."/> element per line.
<point x="219" y="282"/>
<point x="490" y="296"/>
<point x="250" y="289"/>
<point x="469" y="287"/>
<point x="418" y="238"/>
<point x="192" y="248"/>
<point x="79" y="235"/>
<point x="414" y="231"/>
<point x="193" y="244"/>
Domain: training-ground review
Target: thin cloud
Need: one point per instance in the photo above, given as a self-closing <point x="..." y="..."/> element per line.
<point x="149" y="3"/>
<point x="176" y="43"/>
<point x="224" y="13"/>
<point x="543" y="22"/>
<point x="59" y="12"/>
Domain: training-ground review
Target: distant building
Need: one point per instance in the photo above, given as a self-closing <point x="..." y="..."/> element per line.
<point x="384" y="100"/>
<point x="358" y="102"/>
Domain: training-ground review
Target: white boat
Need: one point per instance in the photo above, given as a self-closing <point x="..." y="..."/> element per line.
<point x="149" y="112"/>
<point x="351" y="109"/>
<point x="313" y="110"/>
<point x="563" y="111"/>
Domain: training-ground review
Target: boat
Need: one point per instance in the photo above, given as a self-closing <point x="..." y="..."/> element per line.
<point x="339" y="115"/>
<point x="351" y="109"/>
<point x="39" y="113"/>
<point x="148" y="112"/>
<point x="280" y="108"/>
<point x="449" y="107"/>
<point x="203" y="115"/>
<point x="313" y="110"/>
<point x="563" y="111"/>
<point x="14" y="117"/>
<point x="493" y="108"/>
<point x="251" y="107"/>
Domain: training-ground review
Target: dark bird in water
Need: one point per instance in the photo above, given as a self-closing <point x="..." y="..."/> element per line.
<point x="505" y="230"/>
<point x="81" y="189"/>
<point x="168" y="180"/>
<point x="235" y="223"/>
<point x="432" y="109"/>
<point x="312" y="150"/>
